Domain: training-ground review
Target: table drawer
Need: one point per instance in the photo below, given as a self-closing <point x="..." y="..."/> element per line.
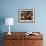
<point x="16" y="37"/>
<point x="9" y="42"/>
<point x="13" y="43"/>
<point x="34" y="37"/>
<point x="33" y="43"/>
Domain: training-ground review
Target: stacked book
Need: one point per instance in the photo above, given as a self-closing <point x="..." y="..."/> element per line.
<point x="30" y="33"/>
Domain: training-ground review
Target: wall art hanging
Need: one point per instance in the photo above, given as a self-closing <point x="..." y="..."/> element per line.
<point x="26" y="15"/>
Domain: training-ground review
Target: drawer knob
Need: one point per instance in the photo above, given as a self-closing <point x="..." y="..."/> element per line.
<point x="33" y="42"/>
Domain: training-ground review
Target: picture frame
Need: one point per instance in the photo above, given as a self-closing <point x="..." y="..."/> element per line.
<point x="26" y="15"/>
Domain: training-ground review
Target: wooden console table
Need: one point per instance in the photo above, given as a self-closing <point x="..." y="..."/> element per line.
<point x="20" y="39"/>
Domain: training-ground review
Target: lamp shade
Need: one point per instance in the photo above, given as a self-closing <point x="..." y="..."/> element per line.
<point x="9" y="21"/>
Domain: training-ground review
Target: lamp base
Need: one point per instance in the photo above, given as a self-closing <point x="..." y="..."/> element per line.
<point x="9" y="33"/>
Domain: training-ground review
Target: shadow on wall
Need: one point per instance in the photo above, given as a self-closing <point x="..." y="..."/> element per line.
<point x="2" y="21"/>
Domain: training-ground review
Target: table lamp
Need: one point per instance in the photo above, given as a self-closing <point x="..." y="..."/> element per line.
<point x="9" y="21"/>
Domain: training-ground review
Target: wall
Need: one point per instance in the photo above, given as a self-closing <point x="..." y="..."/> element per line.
<point x="9" y="8"/>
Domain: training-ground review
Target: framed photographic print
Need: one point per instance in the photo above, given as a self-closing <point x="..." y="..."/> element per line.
<point x="26" y="15"/>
